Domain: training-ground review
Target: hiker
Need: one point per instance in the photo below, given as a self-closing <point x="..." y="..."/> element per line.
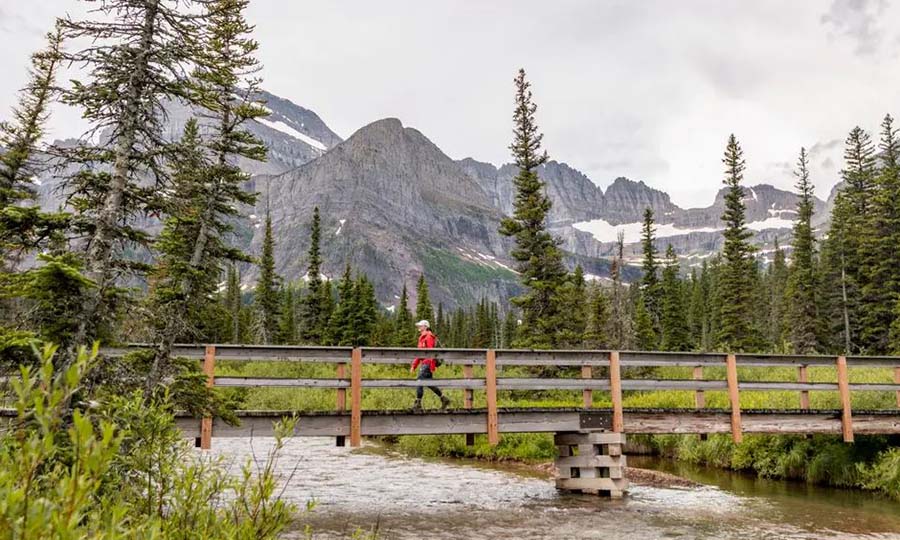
<point x="426" y="366"/>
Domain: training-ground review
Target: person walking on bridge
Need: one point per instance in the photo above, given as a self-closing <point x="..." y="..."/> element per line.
<point x="426" y="366"/>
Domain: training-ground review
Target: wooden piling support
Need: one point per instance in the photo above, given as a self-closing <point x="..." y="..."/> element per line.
<point x="356" y="397"/>
<point x="209" y="368"/>
<point x="490" y="386"/>
<point x="468" y="400"/>
<point x="587" y="395"/>
<point x="597" y="468"/>
<point x="844" y="389"/>
<point x="734" y="397"/>
<point x="803" y="377"/>
<point x="341" y="373"/>
<point x="615" y="390"/>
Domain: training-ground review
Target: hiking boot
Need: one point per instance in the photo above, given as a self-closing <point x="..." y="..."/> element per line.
<point x="445" y="402"/>
<point x="417" y="406"/>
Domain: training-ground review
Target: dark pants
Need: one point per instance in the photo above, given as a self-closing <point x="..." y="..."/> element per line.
<point x="425" y="373"/>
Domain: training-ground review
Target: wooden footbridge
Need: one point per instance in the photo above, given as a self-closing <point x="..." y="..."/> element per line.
<point x="589" y="438"/>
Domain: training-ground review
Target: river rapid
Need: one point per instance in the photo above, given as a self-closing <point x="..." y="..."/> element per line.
<point x="409" y="498"/>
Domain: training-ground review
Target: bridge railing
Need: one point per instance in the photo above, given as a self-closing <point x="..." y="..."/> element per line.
<point x="348" y="364"/>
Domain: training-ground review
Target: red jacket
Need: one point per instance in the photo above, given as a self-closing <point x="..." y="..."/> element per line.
<point x="426" y="341"/>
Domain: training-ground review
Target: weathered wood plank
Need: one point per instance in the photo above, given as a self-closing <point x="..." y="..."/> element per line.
<point x="587" y="396"/>
<point x="803" y="377"/>
<point x="341" y="399"/>
<point x="734" y="397"/>
<point x="209" y="369"/>
<point x="602" y="484"/>
<point x="591" y="461"/>
<point x="356" y="397"/>
<point x="844" y="385"/>
<point x="469" y="399"/>
<point x="598" y="437"/>
<point x="615" y="390"/>
<point x="490" y="374"/>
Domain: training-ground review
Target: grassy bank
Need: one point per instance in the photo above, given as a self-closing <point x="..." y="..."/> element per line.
<point x="871" y="463"/>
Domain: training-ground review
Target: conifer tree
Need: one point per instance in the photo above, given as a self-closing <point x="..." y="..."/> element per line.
<point x="234" y="303"/>
<point x="424" y="310"/>
<point x="736" y="288"/>
<point x="313" y="319"/>
<point x="598" y="318"/>
<point x="644" y="335"/>
<point x="537" y="251"/>
<point x="510" y="328"/>
<point x="674" y="335"/>
<point x="776" y="285"/>
<point x="287" y="321"/>
<point x="340" y="325"/>
<point x="880" y="246"/>
<point x="650" y="266"/>
<point x="802" y="303"/>
<point x="136" y="57"/>
<point x="621" y="325"/>
<point x="23" y="226"/>
<point x="266" y="294"/>
<point x="365" y="312"/>
<point x="440" y="324"/>
<point x="699" y="304"/>
<point x="404" y="331"/>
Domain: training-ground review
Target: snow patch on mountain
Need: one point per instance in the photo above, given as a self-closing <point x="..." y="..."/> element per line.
<point x="288" y="130"/>
<point x="603" y="231"/>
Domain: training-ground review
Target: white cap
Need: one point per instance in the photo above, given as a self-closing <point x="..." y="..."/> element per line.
<point x="423" y="322"/>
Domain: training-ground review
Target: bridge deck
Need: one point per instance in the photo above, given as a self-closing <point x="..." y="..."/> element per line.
<point x="539" y="420"/>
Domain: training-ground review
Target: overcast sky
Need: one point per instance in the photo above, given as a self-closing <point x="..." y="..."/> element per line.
<point x="648" y="90"/>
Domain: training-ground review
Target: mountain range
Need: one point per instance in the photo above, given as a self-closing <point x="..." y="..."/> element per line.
<point x="393" y="205"/>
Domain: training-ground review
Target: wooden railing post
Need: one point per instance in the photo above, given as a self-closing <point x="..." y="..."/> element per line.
<point x="490" y="385"/>
<point x="356" y="397"/>
<point x="699" y="396"/>
<point x="615" y="390"/>
<point x="734" y="397"/>
<point x="803" y="377"/>
<point x="209" y="368"/>
<point x="468" y="400"/>
<point x="844" y="389"/>
<point x="341" y="373"/>
<point x="587" y="395"/>
<point x="897" y="381"/>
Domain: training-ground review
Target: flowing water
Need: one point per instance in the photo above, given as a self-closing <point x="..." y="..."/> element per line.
<point x="407" y="498"/>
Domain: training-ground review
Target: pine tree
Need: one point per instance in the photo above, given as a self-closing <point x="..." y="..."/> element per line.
<point x="266" y="294"/>
<point x="801" y="296"/>
<point x="570" y="333"/>
<point x="365" y="312"/>
<point x="404" y="331"/>
<point x="645" y="336"/>
<point x="736" y="287"/>
<point x="136" y="58"/>
<point x="510" y="329"/>
<point x="775" y="287"/>
<point x="287" y="321"/>
<point x="234" y="303"/>
<point x="698" y="309"/>
<point x="537" y="251"/>
<point x="880" y="246"/>
<point x="598" y="321"/>
<point x="621" y="325"/>
<point x="674" y="335"/>
<point x="313" y="319"/>
<point x="340" y="325"/>
<point x="441" y="324"/>
<point x="424" y="311"/>
<point x="23" y="226"/>
<point x="650" y="267"/>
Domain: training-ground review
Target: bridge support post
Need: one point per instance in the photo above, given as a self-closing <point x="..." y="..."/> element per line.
<point x="591" y="462"/>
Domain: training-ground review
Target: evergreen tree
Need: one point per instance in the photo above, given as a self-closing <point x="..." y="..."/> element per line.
<point x="699" y="309"/>
<point x="136" y="57"/>
<point x="287" y="321"/>
<point x="510" y="328"/>
<point x="537" y="251"/>
<point x="621" y="327"/>
<point x="801" y="295"/>
<point x="736" y="287"/>
<point x="365" y="312"/>
<point x="340" y="325"/>
<point x="234" y="303"/>
<point x="424" y="311"/>
<point x="776" y="285"/>
<point x="650" y="266"/>
<point x="674" y="335"/>
<point x="570" y="333"/>
<point x="441" y="324"/>
<point x="23" y="226"/>
<point x="880" y="246"/>
<point x="404" y="331"/>
<point x="313" y="317"/>
<point x="266" y="294"/>
<point x="598" y="321"/>
<point x="645" y="336"/>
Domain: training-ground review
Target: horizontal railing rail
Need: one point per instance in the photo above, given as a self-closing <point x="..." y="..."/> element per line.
<point x="612" y="364"/>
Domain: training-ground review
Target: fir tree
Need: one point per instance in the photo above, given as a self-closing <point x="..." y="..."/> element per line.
<point x="598" y="318"/>
<point x="266" y="294"/>
<point x="510" y="328"/>
<point x="698" y="309"/>
<point x="621" y="326"/>
<point x="537" y="251"/>
<point x="234" y="303"/>
<point x="424" y="311"/>
<point x="880" y="246"/>
<point x="802" y="303"/>
<point x="736" y="287"/>
<point x="776" y="285"/>
<point x="650" y="266"/>
<point x="645" y="336"/>
<point x="674" y="335"/>
<point x="287" y="322"/>
<point x="136" y="58"/>
<point x="313" y="317"/>
<point x="570" y="333"/>
<point x="404" y="331"/>
<point x="365" y="312"/>
<point x="340" y="325"/>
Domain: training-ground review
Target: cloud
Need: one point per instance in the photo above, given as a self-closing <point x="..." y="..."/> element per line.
<point x="858" y="20"/>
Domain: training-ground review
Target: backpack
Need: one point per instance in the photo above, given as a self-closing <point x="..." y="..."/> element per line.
<point x="438" y="362"/>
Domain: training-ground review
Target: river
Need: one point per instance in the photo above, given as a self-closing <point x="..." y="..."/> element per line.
<point x="408" y="498"/>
